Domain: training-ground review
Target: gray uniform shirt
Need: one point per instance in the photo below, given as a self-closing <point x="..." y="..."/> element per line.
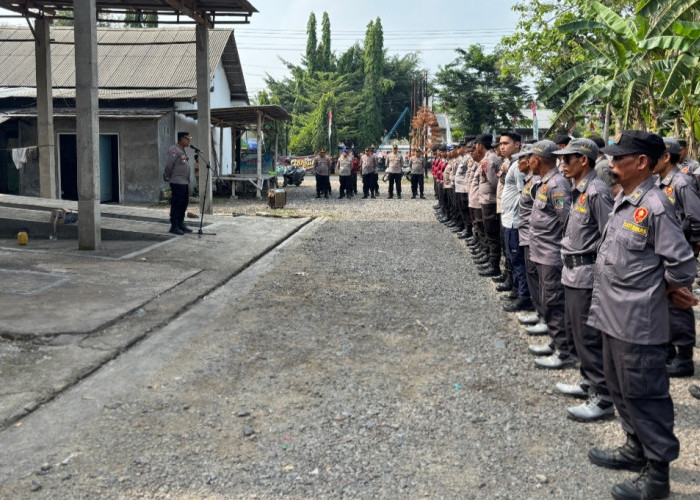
<point x="344" y="165"/>
<point x="642" y="246"/>
<point x="525" y="208"/>
<point x="488" y="177"/>
<point x="549" y="212"/>
<point x="685" y="201"/>
<point x="322" y="166"/>
<point x="417" y="165"/>
<point x="591" y="204"/>
<point x="177" y="168"/>
<point x="368" y="164"/>
<point x="602" y="170"/>
<point x="394" y="163"/>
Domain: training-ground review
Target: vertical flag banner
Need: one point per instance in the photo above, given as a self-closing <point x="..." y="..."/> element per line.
<point x="330" y="127"/>
<point x="535" y="126"/>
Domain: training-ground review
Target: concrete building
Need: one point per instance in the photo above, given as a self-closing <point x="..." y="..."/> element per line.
<point x="147" y="81"/>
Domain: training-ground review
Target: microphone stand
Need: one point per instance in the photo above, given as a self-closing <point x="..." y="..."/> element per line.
<point x="197" y="154"/>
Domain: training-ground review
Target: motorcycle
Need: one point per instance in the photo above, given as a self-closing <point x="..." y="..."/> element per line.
<point x="293" y="175"/>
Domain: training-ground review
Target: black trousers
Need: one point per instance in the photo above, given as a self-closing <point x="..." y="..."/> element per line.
<point x="463" y="207"/>
<point x="492" y="229"/>
<point x="178" y="202"/>
<point x="552" y="303"/>
<point x="416" y="183"/>
<point x="345" y="185"/>
<point x="638" y="383"/>
<point x="587" y="340"/>
<point x="681" y="326"/>
<point x="369" y="183"/>
<point x="353" y="183"/>
<point x="533" y="281"/>
<point x="478" y="226"/>
<point x="323" y="185"/>
<point x="395" y="179"/>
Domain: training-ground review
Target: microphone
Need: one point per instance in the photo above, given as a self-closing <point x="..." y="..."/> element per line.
<point x="196" y="150"/>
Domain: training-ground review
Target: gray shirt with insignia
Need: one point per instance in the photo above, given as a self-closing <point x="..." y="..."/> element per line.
<point x="525" y="208"/>
<point x="549" y="212"/>
<point x="177" y="168"/>
<point x="642" y="248"/>
<point x="685" y="201"/>
<point x="591" y="204"/>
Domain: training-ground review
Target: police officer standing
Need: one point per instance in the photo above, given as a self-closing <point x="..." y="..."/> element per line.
<point x="549" y="212"/>
<point x="591" y="203"/>
<point x="344" y="174"/>
<point x="686" y="203"/>
<point x="368" y="169"/>
<point x="394" y="167"/>
<point x="417" y="164"/>
<point x="489" y="166"/>
<point x="322" y="170"/>
<point x="177" y="173"/>
<point x="643" y="260"/>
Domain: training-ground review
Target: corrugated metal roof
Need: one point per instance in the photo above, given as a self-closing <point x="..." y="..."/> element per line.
<point x="240" y="116"/>
<point x="121" y="113"/>
<point x="209" y="11"/>
<point x="131" y="62"/>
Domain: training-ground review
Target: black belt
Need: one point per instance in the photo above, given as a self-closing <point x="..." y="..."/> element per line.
<point x="579" y="260"/>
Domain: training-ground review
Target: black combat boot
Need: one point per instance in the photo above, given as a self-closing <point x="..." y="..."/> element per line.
<point x="506" y="286"/>
<point x="651" y="484"/>
<point x="183" y="227"/>
<point x="504" y="277"/>
<point x="682" y="365"/>
<point x="629" y="456"/>
<point x="493" y="270"/>
<point x="175" y="229"/>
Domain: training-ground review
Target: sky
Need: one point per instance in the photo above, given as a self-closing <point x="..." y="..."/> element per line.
<point x="432" y="29"/>
<point x="278" y="29"/>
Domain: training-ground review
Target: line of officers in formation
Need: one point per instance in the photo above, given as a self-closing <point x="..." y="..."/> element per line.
<point x="367" y="165"/>
<point x="600" y="245"/>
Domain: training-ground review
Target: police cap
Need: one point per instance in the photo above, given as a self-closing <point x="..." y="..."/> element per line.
<point x="672" y="146"/>
<point x="636" y="141"/>
<point x="545" y="149"/>
<point x="581" y="146"/>
<point x="484" y="139"/>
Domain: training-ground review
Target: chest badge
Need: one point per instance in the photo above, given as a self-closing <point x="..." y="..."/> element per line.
<point x="582" y="199"/>
<point x="544" y="189"/>
<point x="640" y="214"/>
<point x="668" y="190"/>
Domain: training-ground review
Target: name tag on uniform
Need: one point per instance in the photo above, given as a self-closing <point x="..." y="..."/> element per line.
<point x="581" y="209"/>
<point x="542" y="197"/>
<point x="635" y="228"/>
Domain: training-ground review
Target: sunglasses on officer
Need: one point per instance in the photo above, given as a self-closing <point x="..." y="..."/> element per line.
<point x="567" y="158"/>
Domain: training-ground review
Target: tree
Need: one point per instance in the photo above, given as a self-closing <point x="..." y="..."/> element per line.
<point x="311" y="58"/>
<point x="371" y="125"/>
<point x="324" y="57"/>
<point x="477" y="94"/>
<point x="628" y="63"/>
<point x="141" y="19"/>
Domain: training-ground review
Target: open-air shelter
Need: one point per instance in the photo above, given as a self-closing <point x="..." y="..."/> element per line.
<point x="85" y="15"/>
<point x="239" y="119"/>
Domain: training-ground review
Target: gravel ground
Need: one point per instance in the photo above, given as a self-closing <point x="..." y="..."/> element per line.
<point x="372" y="362"/>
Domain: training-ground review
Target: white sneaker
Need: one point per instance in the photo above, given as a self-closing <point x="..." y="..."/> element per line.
<point x="528" y="319"/>
<point x="556" y="361"/>
<point x="538" y="329"/>
<point x="594" y="408"/>
<point x="540" y="350"/>
<point x="578" y="390"/>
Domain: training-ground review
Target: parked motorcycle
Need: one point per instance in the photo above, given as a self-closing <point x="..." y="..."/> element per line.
<point x="293" y="175"/>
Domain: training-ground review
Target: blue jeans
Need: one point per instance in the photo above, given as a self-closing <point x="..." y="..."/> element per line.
<point x="516" y="256"/>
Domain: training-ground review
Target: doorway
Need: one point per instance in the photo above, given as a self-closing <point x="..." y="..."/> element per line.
<point x="109" y="167"/>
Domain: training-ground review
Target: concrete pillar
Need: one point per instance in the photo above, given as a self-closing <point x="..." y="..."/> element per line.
<point x="87" y="124"/>
<point x="259" y="139"/>
<point x="203" y="115"/>
<point x="44" y="107"/>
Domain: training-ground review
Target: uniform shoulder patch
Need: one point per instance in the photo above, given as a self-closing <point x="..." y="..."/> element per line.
<point x="640" y="214"/>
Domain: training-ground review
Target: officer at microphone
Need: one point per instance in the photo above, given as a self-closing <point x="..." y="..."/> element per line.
<point x="177" y="173"/>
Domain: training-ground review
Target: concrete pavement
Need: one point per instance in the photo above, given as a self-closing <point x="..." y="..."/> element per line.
<point x="67" y="312"/>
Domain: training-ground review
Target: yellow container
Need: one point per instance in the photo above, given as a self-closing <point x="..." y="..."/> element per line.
<point x="22" y="238"/>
